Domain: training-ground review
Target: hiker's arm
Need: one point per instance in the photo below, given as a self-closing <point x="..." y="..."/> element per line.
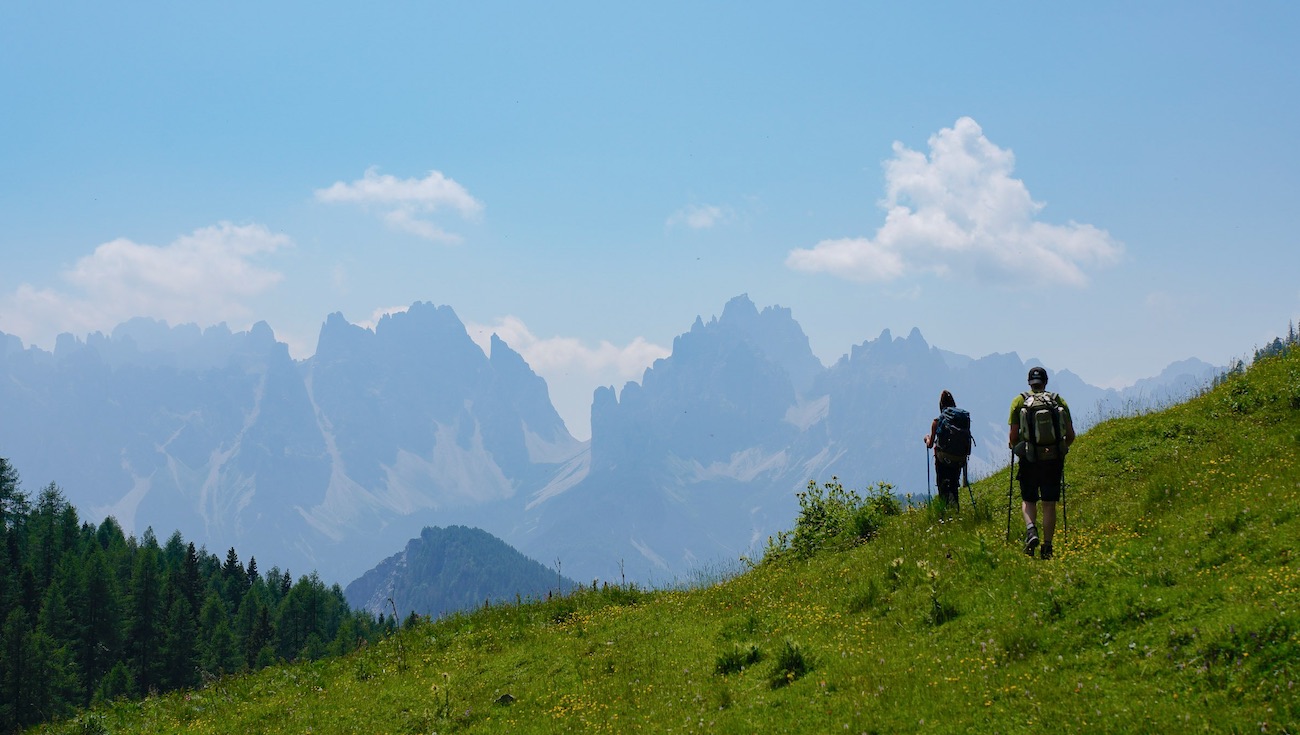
<point x="929" y="438"/>
<point x="1013" y="420"/>
<point x="1069" y="425"/>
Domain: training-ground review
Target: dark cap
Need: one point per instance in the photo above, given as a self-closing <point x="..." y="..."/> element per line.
<point x="1037" y="376"/>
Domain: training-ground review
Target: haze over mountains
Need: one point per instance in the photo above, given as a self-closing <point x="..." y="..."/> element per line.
<point x="334" y="462"/>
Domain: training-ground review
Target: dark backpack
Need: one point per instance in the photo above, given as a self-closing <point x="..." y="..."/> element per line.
<point x="952" y="437"/>
<point x="1042" y="423"/>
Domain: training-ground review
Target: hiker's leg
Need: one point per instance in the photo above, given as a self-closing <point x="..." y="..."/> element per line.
<point x="1051" y="493"/>
<point x="1029" y="475"/>
<point x="1049" y="520"/>
<point x="1029" y="509"/>
<point x="949" y="483"/>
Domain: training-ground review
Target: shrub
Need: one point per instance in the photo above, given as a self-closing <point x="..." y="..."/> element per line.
<point x="833" y="517"/>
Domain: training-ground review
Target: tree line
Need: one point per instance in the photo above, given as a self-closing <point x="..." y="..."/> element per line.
<point x="88" y="613"/>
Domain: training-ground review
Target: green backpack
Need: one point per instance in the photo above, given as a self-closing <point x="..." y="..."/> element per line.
<point x="1042" y="426"/>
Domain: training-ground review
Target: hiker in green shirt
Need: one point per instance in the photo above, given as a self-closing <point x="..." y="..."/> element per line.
<point x="1041" y="434"/>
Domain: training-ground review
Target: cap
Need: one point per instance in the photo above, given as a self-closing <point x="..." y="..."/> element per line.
<point x="1037" y="376"/>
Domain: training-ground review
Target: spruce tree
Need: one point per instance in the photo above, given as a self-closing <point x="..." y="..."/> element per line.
<point x="13" y="501"/>
<point x="143" y="639"/>
<point x="100" y="646"/>
<point x="180" y="652"/>
<point x="18" y="672"/>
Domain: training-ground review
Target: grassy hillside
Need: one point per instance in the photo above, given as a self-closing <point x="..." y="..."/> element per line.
<point x="1172" y="606"/>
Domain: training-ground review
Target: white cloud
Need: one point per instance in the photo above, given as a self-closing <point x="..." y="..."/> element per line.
<point x="572" y="370"/>
<point x="857" y="258"/>
<point x="401" y="202"/>
<point x="960" y="211"/>
<point x="205" y="277"/>
<point x="698" y="217"/>
<point x="556" y="354"/>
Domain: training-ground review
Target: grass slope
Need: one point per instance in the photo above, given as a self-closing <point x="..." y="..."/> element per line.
<point x="1171" y="607"/>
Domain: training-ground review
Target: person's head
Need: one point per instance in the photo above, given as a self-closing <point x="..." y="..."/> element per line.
<point x="1037" y="378"/>
<point x="946" y="401"/>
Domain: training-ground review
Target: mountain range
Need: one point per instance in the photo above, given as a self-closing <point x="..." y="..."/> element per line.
<point x="334" y="462"/>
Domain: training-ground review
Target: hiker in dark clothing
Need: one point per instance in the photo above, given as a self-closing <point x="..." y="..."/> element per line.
<point x="947" y="466"/>
<point x="1041" y="433"/>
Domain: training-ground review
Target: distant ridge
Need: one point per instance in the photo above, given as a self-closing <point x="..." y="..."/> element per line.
<point x="333" y="462"/>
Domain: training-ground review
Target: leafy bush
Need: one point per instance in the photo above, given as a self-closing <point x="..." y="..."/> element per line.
<point x="832" y="517"/>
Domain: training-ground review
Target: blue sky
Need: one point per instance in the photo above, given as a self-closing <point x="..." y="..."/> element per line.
<point x="1107" y="189"/>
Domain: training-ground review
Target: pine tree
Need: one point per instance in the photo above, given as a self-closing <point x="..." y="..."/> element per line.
<point x="14" y="504"/>
<point x="18" y="671"/>
<point x="234" y="579"/>
<point x="180" y="650"/>
<point x="219" y="651"/>
<point x="100" y="646"/>
<point x="262" y="639"/>
<point x="117" y="684"/>
<point x="143" y="639"/>
<point x="245" y="625"/>
<point x="190" y="579"/>
<point x="59" y="690"/>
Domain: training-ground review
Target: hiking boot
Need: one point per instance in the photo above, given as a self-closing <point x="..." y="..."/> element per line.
<point x="1031" y="540"/>
<point x="1045" y="552"/>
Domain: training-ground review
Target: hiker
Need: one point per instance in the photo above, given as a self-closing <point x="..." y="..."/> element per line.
<point x="949" y="437"/>
<point x="1041" y="434"/>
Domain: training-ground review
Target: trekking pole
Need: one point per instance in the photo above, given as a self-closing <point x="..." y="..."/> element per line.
<point x="965" y="476"/>
<point x="1011" y="481"/>
<point x="927" y="475"/>
<point x="1062" y="497"/>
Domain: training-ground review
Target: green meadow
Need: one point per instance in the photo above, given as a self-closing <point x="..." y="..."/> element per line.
<point x="1173" y="605"/>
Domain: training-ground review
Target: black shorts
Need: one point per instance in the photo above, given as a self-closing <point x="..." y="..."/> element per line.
<point x="1040" y="481"/>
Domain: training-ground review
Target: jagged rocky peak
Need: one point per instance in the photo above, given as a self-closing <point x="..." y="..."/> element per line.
<point x="430" y="338"/>
<point x="503" y="358"/>
<point x="339" y="337"/>
<point x="149" y="342"/>
<point x="773" y="332"/>
<point x="421" y="319"/>
<point x="889" y="345"/>
<point x="9" y="344"/>
<point x="525" y="390"/>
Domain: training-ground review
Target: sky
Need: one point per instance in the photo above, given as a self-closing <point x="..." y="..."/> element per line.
<point x="1108" y="188"/>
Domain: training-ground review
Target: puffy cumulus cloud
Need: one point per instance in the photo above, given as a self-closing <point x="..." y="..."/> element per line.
<point x="404" y="204"/>
<point x="699" y="217"/>
<point x="205" y="277"/>
<point x="960" y="210"/>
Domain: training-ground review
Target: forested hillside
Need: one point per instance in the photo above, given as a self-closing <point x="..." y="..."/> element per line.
<point x="91" y="614"/>
<point x="452" y="569"/>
